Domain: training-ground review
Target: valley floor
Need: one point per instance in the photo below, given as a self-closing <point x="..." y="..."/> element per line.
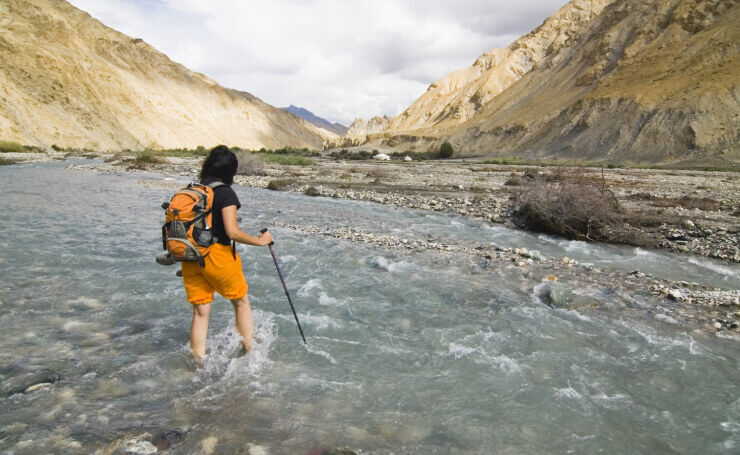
<point x="684" y="211"/>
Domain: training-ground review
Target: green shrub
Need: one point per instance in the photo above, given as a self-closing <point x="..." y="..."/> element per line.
<point x="11" y="147"/>
<point x="446" y="150"/>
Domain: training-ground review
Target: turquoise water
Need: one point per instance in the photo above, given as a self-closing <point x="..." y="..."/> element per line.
<point x="408" y="352"/>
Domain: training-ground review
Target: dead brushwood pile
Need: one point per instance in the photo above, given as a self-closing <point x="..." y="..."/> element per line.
<point x="574" y="203"/>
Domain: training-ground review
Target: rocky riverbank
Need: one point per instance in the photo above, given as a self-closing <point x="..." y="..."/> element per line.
<point x="681" y="302"/>
<point x="485" y="192"/>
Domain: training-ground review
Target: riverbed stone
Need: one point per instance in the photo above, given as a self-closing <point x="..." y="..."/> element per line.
<point x="135" y="446"/>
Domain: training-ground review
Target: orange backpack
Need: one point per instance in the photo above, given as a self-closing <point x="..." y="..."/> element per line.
<point x="187" y="233"/>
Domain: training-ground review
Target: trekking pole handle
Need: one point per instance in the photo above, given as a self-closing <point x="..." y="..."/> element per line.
<point x="265" y="230"/>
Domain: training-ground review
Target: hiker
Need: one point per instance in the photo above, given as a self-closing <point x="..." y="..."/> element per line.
<point x="222" y="268"/>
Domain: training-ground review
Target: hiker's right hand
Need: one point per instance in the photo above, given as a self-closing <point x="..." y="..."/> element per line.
<point x="265" y="238"/>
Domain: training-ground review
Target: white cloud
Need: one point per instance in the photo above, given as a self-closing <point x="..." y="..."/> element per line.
<point x="340" y="59"/>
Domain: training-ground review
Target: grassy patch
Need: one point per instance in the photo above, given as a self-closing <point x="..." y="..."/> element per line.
<point x="286" y="160"/>
<point x="290" y="151"/>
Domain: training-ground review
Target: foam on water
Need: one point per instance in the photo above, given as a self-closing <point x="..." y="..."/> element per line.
<point x="389" y="266"/>
<point x="308" y="286"/>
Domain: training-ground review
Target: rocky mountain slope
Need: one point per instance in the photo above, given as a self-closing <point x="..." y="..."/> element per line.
<point x="310" y="117"/>
<point x="67" y="79"/>
<point x="460" y="95"/>
<point x="641" y="81"/>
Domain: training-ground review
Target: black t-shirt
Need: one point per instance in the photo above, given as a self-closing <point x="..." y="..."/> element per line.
<point x="223" y="196"/>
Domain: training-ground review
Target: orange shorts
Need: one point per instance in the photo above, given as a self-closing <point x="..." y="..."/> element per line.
<point x="222" y="273"/>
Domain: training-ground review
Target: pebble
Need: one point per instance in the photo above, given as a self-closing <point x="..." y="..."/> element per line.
<point x="136" y="447"/>
<point x="675" y="294"/>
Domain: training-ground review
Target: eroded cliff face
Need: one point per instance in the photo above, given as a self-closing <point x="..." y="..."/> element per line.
<point x="640" y="81"/>
<point x="67" y="79"/>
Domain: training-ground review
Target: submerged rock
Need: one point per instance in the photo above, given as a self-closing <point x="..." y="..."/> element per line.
<point x="559" y="295"/>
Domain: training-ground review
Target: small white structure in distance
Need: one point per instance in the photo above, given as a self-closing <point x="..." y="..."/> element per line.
<point x="382" y="157"/>
<point x="407" y="158"/>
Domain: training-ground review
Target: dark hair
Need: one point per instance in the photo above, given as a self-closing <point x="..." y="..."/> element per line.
<point x="221" y="164"/>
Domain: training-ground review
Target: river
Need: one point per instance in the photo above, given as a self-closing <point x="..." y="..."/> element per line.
<point x="408" y="352"/>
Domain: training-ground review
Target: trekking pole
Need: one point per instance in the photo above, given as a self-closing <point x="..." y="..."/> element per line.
<point x="280" y="274"/>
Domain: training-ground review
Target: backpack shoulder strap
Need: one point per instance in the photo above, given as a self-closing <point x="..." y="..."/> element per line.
<point x="216" y="184"/>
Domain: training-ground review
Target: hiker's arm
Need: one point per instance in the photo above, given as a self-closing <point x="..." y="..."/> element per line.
<point x="231" y="226"/>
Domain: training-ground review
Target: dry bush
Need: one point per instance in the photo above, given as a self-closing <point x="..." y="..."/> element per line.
<point x="249" y="164"/>
<point x="574" y="204"/>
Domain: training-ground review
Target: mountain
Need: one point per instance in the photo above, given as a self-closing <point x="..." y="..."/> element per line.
<point x="315" y="120"/>
<point x="623" y="80"/>
<point x="67" y="79"/>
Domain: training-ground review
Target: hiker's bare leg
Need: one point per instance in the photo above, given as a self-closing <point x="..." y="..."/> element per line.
<point x="199" y="330"/>
<point x="243" y="313"/>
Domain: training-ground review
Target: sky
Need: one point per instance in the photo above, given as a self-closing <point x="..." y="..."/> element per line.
<point x="340" y="59"/>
